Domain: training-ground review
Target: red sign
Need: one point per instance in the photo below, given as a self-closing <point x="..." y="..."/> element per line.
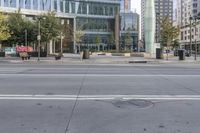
<point x="24" y="49"/>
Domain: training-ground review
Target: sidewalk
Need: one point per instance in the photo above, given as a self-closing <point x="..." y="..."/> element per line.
<point x="98" y="59"/>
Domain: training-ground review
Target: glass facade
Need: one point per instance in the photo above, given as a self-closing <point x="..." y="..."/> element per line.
<point x="65" y="6"/>
<point x="129" y="21"/>
<point x="130" y="25"/>
<point x="93" y="17"/>
<point x="95" y="24"/>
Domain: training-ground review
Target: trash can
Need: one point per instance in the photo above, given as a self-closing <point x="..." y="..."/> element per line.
<point x="86" y="54"/>
<point x="158" y="53"/>
<point x="2" y="54"/>
<point x="181" y="54"/>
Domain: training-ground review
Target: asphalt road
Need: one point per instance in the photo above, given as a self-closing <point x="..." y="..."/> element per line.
<point x="98" y="98"/>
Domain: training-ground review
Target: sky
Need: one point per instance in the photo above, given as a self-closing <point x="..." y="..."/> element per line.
<point x="136" y="5"/>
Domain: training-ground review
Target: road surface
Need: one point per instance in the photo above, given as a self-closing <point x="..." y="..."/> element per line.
<point x="99" y="98"/>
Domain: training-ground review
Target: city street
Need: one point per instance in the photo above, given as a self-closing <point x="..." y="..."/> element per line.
<point x="99" y="98"/>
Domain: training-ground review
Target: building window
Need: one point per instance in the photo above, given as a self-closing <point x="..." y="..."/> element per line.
<point x="55" y="5"/>
<point x="195" y="5"/>
<point x="35" y="4"/>
<point x="28" y="4"/>
<point x="12" y="3"/>
<point x="194" y="11"/>
<point x="62" y="6"/>
<point x="6" y="3"/>
<point x="21" y="3"/>
<point x="82" y="8"/>
<point x="73" y="7"/>
<point x="181" y="35"/>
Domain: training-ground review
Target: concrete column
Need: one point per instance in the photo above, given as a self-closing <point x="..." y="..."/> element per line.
<point x="149" y="28"/>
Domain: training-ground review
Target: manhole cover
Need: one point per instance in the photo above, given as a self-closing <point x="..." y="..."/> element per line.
<point x="133" y="103"/>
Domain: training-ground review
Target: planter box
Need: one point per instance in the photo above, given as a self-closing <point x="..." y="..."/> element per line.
<point x="108" y="54"/>
<point x="57" y="57"/>
<point x="117" y="54"/>
<point x="137" y="54"/>
<point x="127" y="54"/>
<point x="35" y="54"/>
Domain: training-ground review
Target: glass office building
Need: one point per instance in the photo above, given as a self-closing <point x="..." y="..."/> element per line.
<point x="93" y="17"/>
<point x="129" y="25"/>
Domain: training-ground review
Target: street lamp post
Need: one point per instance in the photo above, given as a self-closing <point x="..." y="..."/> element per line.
<point x="195" y="35"/>
<point x="190" y="35"/>
<point x="61" y="37"/>
<point x="39" y="38"/>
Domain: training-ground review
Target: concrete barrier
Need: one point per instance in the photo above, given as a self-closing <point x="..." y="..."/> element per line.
<point x="108" y="54"/>
<point x="127" y="54"/>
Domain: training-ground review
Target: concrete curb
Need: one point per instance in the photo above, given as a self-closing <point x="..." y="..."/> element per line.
<point x="100" y="61"/>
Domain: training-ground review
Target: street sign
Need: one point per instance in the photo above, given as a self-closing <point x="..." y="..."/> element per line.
<point x="39" y="37"/>
<point x="157" y="45"/>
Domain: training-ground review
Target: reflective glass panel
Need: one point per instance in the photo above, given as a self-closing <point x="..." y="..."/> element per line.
<point x="12" y="3"/>
<point x="35" y="4"/>
<point x="28" y="4"/>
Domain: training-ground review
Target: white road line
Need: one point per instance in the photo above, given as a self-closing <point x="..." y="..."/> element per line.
<point x="98" y="75"/>
<point x="100" y="97"/>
